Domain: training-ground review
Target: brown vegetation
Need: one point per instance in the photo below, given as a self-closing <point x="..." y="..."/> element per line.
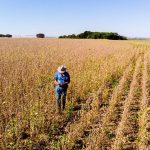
<point x="108" y="104"/>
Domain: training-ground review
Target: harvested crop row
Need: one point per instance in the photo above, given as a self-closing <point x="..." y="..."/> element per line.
<point x="97" y="137"/>
<point x="129" y="102"/>
<point x="143" y="107"/>
<point x="148" y="108"/>
<point x="82" y="141"/>
<point x="77" y="129"/>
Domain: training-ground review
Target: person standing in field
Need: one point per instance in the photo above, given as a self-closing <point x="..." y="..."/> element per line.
<point x="62" y="79"/>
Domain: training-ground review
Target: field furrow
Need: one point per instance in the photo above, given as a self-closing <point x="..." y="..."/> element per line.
<point x="127" y="130"/>
<point x="143" y="107"/>
<point x="100" y="138"/>
<point x="83" y="141"/>
<point x="147" y="140"/>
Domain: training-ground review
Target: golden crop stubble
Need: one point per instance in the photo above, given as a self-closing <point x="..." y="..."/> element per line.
<point x="119" y="132"/>
<point x="97" y="136"/>
<point x="27" y="70"/>
<point x="143" y="107"/>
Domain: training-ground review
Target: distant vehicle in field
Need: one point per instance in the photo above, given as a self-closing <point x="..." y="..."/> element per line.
<point x="40" y="35"/>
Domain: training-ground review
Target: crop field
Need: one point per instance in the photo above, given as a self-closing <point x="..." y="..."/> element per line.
<point x="108" y="100"/>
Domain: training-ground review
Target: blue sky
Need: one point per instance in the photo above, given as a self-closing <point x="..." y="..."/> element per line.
<point x="130" y="18"/>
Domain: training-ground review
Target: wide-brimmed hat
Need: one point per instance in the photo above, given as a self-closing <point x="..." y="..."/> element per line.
<point x="62" y="69"/>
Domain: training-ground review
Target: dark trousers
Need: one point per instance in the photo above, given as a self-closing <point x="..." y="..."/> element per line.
<point x="61" y="94"/>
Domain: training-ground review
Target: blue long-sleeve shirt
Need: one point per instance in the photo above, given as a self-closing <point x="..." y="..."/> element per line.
<point x="62" y="79"/>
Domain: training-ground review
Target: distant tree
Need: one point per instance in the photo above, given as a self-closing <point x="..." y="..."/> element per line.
<point x="64" y="36"/>
<point x="8" y="35"/>
<point x="40" y="35"/>
<point x="123" y="38"/>
<point x="72" y="36"/>
<point x="2" y="35"/>
<point x="96" y="35"/>
<point x="84" y="35"/>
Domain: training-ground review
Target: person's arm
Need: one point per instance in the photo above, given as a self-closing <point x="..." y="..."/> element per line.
<point x="56" y="80"/>
<point x="68" y="81"/>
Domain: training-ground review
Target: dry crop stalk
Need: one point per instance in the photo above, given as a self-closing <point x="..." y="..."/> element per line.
<point x="143" y="106"/>
<point x="119" y="132"/>
<point x="98" y="136"/>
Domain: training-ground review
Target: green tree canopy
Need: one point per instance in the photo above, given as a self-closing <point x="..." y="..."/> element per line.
<point x="96" y="35"/>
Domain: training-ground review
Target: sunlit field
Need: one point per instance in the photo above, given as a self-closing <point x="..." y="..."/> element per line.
<point x="108" y="100"/>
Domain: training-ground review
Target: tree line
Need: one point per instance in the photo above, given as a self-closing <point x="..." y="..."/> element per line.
<point x="95" y="35"/>
<point x="7" y="35"/>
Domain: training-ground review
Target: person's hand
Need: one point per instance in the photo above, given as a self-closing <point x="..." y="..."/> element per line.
<point x="56" y="83"/>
